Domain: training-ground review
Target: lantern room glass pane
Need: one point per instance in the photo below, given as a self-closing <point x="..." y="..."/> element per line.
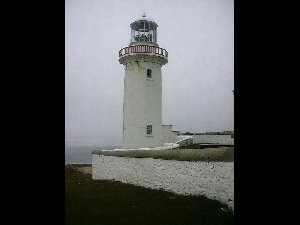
<point x="143" y="31"/>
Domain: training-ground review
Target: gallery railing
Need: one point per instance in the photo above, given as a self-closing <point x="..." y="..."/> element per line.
<point x="143" y="49"/>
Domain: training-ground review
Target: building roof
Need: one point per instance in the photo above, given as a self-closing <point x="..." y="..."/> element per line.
<point x="144" y="17"/>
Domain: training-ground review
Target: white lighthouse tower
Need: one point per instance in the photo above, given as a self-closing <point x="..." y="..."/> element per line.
<point x="142" y="107"/>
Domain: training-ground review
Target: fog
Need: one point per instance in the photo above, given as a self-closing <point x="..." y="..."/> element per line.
<point x="197" y="81"/>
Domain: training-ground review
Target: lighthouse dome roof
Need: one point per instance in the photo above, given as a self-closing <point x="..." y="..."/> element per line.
<point x="145" y="18"/>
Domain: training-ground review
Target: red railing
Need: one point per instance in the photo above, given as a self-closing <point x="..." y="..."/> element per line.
<point x="143" y="49"/>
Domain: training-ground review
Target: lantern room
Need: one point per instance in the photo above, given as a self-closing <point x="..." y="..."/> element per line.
<point x="144" y="30"/>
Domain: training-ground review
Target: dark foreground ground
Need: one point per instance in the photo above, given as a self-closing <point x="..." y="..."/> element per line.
<point x="90" y="202"/>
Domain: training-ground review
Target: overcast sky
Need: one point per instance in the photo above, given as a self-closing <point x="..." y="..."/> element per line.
<point x="197" y="81"/>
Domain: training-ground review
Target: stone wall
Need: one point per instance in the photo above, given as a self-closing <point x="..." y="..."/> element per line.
<point x="214" y="180"/>
<point x="213" y="138"/>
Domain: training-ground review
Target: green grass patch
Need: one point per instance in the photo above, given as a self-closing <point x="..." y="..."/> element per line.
<point x="90" y="202"/>
<point x="80" y="165"/>
<point x="220" y="154"/>
<point x="193" y="146"/>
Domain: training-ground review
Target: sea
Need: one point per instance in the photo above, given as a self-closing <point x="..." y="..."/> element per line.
<point x="82" y="153"/>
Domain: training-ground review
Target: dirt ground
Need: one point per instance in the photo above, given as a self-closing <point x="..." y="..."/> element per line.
<point x="91" y="202"/>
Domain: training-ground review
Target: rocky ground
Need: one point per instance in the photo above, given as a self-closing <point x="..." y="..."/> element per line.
<point x="85" y="168"/>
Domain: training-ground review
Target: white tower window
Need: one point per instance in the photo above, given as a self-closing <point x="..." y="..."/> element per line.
<point x="149" y="129"/>
<point x="149" y="73"/>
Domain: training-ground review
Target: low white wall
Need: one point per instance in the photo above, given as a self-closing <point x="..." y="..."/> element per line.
<point x="214" y="180"/>
<point x="168" y="135"/>
<point x="216" y="139"/>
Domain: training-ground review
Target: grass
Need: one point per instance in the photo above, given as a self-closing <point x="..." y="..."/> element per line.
<point x="193" y="146"/>
<point x="80" y="165"/>
<point x="220" y="154"/>
<point x="89" y="202"/>
<point x="203" y="146"/>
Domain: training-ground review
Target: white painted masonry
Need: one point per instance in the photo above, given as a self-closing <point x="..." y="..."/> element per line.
<point x="214" y="180"/>
<point x="168" y="135"/>
<point x="142" y="104"/>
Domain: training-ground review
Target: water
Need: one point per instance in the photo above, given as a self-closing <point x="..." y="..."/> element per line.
<point x="83" y="153"/>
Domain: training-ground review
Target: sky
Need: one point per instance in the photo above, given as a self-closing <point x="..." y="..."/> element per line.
<point x="197" y="81"/>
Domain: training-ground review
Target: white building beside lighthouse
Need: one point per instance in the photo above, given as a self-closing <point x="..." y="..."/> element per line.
<point x="142" y="107"/>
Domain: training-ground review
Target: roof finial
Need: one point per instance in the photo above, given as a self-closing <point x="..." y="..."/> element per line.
<point x="144" y="15"/>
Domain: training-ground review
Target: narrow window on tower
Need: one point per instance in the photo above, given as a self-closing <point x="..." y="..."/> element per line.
<point x="149" y="129"/>
<point x="149" y="75"/>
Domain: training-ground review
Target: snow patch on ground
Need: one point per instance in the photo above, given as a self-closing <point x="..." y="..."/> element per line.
<point x="183" y="138"/>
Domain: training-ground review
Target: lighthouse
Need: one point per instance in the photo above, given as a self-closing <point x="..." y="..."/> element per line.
<point x="142" y="106"/>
